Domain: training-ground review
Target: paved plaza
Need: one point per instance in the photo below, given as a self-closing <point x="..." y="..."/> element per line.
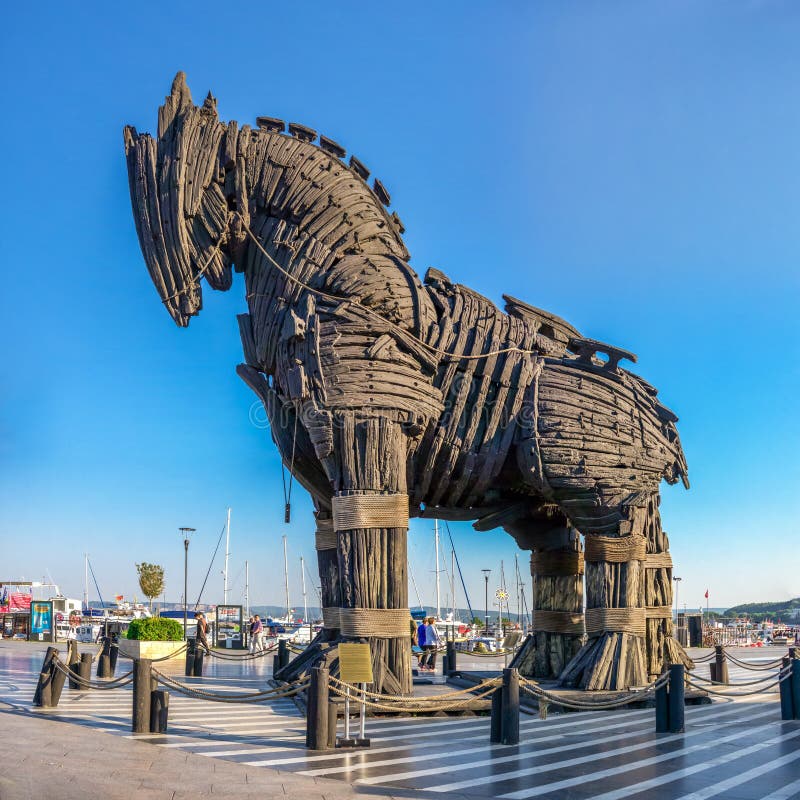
<point x="734" y="748"/>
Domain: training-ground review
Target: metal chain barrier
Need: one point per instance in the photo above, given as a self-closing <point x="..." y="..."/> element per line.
<point x="116" y="683"/>
<point x="224" y="697"/>
<point x="415" y="706"/>
<point x="532" y="688"/>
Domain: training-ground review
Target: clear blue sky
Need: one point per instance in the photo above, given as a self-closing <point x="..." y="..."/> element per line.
<point x="631" y="166"/>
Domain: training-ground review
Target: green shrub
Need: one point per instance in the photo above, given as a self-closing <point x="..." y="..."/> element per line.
<point x="156" y="629"/>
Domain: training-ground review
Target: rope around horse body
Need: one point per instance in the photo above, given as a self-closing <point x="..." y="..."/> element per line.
<point x="352" y="301"/>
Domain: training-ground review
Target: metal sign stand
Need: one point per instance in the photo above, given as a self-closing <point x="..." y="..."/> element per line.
<point x="355" y="666"/>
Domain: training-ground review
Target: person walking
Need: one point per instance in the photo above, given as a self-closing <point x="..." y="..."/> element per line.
<point x="251" y="639"/>
<point x="258" y="634"/>
<point x="202" y="630"/>
<point x="421" y="644"/>
<point x="432" y="641"/>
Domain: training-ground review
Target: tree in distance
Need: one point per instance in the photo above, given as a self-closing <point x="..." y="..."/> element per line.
<point x="151" y="580"/>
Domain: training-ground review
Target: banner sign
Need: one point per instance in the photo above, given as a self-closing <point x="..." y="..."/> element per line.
<point x="42" y="627"/>
<point x="229" y="626"/>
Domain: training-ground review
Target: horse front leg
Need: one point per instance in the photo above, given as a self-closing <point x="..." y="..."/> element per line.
<point x="370" y="519"/>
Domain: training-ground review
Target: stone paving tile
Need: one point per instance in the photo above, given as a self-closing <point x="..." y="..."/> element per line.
<point x="46" y="758"/>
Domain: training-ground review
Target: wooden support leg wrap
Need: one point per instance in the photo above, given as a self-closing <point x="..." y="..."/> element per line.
<point x="361" y="510"/>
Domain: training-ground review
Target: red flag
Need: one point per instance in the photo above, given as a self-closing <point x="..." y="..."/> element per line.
<point x="706" y="594"/>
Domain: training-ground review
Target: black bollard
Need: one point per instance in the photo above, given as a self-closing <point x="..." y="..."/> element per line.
<point x="510" y="707"/>
<point x="113" y="654"/>
<point x="142" y="691"/>
<point x="787" y="703"/>
<point x="74" y="665"/>
<point x="662" y="708"/>
<point x="712" y="671"/>
<point x="191" y="643"/>
<point x="42" y="696"/>
<point x="496" y="726"/>
<point x="159" y="711"/>
<point x="276" y="663"/>
<point x="333" y="722"/>
<point x="676" y="698"/>
<point x="451" y="658"/>
<point x="199" y="655"/>
<point x="795" y="681"/>
<point x="85" y="670"/>
<point x="104" y="659"/>
<point x="283" y="653"/>
<point x="56" y="683"/>
<point x="792" y="652"/>
<point x="317" y="710"/>
<point x="722" y="665"/>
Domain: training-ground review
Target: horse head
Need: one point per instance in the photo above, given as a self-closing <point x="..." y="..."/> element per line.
<point x="185" y="213"/>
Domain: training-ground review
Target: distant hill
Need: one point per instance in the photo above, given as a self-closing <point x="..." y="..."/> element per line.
<point x="784" y="609"/>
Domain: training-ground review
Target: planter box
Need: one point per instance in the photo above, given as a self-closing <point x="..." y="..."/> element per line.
<point x="135" y="648"/>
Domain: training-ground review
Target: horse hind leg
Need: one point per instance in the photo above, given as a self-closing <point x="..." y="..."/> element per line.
<point x="557" y="571"/>
<point x="662" y="646"/>
<point x="628" y="621"/>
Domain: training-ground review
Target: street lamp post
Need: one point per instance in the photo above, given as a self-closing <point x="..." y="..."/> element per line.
<point x="486" y="605"/>
<point x="186" y="532"/>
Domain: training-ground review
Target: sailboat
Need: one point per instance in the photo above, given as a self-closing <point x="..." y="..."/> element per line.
<point x="448" y="626"/>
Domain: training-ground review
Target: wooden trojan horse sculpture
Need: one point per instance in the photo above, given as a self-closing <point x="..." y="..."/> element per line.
<point x="389" y="397"/>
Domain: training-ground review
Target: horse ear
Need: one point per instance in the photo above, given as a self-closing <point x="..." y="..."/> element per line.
<point x="178" y="100"/>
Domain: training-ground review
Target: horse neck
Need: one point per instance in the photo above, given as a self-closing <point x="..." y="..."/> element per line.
<point x="316" y="197"/>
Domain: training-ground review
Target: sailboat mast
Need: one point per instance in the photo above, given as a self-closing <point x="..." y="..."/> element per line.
<point x="453" y="582"/>
<point x="303" y="583"/>
<point x="286" y="578"/>
<point x="86" y="581"/>
<point x="247" y="588"/>
<point x="438" y="596"/>
<point x="227" y="553"/>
